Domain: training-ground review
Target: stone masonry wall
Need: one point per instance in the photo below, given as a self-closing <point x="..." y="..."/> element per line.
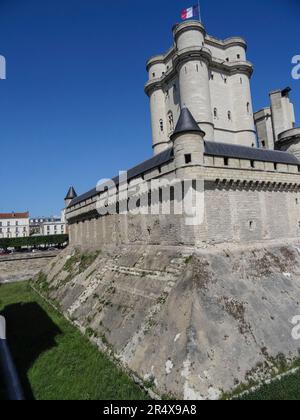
<point x="191" y="323"/>
<point x="233" y="213"/>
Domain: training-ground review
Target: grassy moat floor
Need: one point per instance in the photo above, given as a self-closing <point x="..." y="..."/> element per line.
<point x="55" y="362"/>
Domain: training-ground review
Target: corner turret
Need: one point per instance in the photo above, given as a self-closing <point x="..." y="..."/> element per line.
<point x="70" y="196"/>
<point x="188" y="140"/>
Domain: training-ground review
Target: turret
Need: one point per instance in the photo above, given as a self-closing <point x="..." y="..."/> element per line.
<point x="70" y="196"/>
<point x="188" y="145"/>
<point x="156" y="70"/>
<point x="276" y="125"/>
<point x="283" y="115"/>
<point x="192" y="62"/>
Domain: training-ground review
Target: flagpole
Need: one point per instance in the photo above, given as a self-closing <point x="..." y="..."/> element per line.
<point x="200" y="20"/>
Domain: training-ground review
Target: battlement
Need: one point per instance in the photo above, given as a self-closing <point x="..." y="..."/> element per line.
<point x="243" y="189"/>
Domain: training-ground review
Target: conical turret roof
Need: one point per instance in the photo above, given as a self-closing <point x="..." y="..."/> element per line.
<point x="71" y="194"/>
<point x="187" y="123"/>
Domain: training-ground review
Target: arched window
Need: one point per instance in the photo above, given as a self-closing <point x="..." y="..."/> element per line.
<point x="229" y="116"/>
<point x="215" y="113"/>
<point x="171" y="121"/>
<point x="161" y="125"/>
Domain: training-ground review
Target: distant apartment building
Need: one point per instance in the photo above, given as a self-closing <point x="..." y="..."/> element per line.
<point x="44" y="226"/>
<point x="14" y="225"/>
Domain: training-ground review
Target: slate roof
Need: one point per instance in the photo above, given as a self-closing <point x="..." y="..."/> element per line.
<point x="148" y="165"/>
<point x="71" y="194"/>
<point x="249" y="153"/>
<point x="186" y="123"/>
<point x="211" y="149"/>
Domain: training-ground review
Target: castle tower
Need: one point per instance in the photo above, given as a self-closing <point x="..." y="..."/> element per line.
<point x="208" y="75"/>
<point x="192" y="62"/>
<point x="283" y="114"/>
<point x="276" y="127"/>
<point x="188" y="145"/>
<point x="160" y="140"/>
<point x="70" y="196"/>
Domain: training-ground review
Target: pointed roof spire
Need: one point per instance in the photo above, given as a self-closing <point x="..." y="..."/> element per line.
<point x="71" y="194"/>
<point x="187" y="123"/>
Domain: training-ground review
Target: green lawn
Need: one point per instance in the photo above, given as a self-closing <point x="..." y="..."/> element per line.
<point x="287" y="388"/>
<point x="56" y="362"/>
<point x="53" y="359"/>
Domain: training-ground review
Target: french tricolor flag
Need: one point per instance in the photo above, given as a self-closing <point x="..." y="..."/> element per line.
<point x="191" y="12"/>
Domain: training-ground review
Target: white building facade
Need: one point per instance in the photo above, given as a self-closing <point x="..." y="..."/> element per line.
<point x="53" y="228"/>
<point x="209" y="76"/>
<point x="45" y="226"/>
<point x="14" y="225"/>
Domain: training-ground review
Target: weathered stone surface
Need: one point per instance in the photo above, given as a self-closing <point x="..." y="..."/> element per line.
<point x="195" y="322"/>
<point x="13" y="268"/>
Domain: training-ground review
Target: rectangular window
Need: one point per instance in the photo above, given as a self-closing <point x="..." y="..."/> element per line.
<point x="188" y="159"/>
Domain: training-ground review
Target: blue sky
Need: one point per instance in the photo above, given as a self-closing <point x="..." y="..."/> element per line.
<point x="73" y="110"/>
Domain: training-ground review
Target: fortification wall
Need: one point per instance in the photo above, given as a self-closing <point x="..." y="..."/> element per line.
<point x="241" y="204"/>
<point x="237" y="214"/>
<point x="232" y="214"/>
<point x="132" y="229"/>
<point x="194" y="323"/>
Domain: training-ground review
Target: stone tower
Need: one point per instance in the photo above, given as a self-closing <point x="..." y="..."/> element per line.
<point x="209" y="76"/>
<point x="276" y="124"/>
<point x="188" y="145"/>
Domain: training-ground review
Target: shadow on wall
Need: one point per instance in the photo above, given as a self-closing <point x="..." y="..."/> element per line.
<point x="30" y="332"/>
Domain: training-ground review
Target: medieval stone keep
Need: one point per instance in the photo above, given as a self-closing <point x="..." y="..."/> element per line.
<point x="196" y="310"/>
<point x="204" y="129"/>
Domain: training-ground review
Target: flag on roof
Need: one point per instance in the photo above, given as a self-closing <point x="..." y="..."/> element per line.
<point x="191" y="12"/>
